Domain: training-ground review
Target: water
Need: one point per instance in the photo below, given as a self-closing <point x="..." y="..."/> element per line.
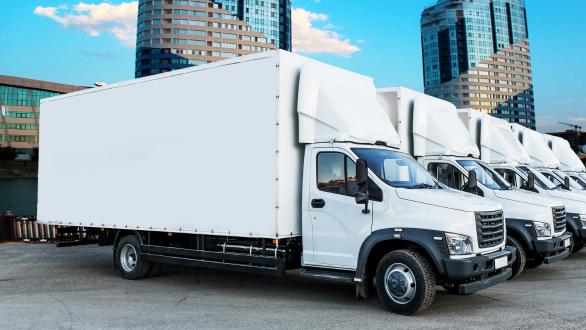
<point x="19" y="195"/>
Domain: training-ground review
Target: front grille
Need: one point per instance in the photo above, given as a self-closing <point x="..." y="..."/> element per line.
<point x="559" y="218"/>
<point x="490" y="227"/>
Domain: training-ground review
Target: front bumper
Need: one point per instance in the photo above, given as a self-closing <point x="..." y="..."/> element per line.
<point x="553" y="249"/>
<point x="476" y="273"/>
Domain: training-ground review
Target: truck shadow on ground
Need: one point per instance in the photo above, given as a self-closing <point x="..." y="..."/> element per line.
<point x="297" y="290"/>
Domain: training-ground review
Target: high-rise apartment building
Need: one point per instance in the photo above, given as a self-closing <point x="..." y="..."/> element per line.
<point x="19" y="111"/>
<point x="174" y="34"/>
<point x="476" y="55"/>
<point x="271" y="18"/>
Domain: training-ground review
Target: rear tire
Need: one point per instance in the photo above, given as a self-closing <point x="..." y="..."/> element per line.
<point x="519" y="264"/>
<point x="405" y="282"/>
<point x="128" y="259"/>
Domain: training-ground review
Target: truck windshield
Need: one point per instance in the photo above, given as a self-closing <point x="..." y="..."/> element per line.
<point x="486" y="176"/>
<point x="562" y="176"/>
<point x="579" y="179"/>
<point x="540" y="180"/>
<point x="396" y="169"/>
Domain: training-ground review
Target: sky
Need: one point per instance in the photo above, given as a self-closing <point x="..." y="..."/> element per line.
<point x="82" y="42"/>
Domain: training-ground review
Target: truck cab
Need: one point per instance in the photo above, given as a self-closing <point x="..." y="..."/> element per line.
<point x="519" y="175"/>
<point x="371" y="211"/>
<point x="438" y="139"/>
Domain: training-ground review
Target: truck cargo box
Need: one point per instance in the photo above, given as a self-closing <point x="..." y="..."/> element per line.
<point x="536" y="147"/>
<point x="563" y="151"/>
<point x="494" y="137"/>
<point x="199" y="150"/>
<point x="425" y="124"/>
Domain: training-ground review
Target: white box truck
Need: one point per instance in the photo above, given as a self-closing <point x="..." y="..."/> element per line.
<point x="544" y="159"/>
<point x="430" y="129"/>
<point x="264" y="163"/>
<point x="500" y="149"/>
<point x="570" y="163"/>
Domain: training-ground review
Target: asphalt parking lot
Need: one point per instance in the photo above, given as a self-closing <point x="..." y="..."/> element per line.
<point x="76" y="287"/>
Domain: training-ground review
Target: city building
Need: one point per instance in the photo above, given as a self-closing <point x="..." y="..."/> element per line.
<point x="476" y="55"/>
<point x="174" y="34"/>
<point x="271" y="18"/>
<point x="19" y="113"/>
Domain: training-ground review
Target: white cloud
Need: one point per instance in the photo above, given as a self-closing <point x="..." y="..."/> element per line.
<point x="96" y="19"/>
<point x="308" y="38"/>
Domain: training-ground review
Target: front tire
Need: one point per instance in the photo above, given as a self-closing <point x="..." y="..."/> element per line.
<point x="128" y="259"/>
<point x="405" y="282"/>
<point x="521" y="260"/>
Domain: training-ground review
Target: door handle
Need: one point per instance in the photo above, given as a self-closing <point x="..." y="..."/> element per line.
<point x="318" y="203"/>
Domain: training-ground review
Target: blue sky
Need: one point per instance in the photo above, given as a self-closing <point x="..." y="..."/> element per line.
<point x="376" y="38"/>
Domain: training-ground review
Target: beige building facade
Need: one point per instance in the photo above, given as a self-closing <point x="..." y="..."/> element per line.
<point x="174" y="34"/>
<point x="19" y="112"/>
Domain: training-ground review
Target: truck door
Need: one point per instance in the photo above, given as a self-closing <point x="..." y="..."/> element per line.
<point x="338" y="225"/>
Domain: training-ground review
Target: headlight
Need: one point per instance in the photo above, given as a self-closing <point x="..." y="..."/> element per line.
<point x="542" y="229"/>
<point x="583" y="219"/>
<point x="459" y="244"/>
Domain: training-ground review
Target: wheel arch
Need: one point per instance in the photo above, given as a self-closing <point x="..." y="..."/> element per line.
<point x="383" y="241"/>
<point x="517" y="229"/>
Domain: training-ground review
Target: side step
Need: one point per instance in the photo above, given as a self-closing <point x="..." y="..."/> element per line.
<point x="328" y="275"/>
<point x="241" y="262"/>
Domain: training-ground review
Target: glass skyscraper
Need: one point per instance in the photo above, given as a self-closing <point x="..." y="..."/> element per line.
<point x="174" y="34"/>
<point x="476" y="55"/>
<point x="271" y="18"/>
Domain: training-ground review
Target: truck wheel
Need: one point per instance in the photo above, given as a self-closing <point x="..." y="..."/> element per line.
<point x="521" y="260"/>
<point x="405" y="282"/>
<point x="534" y="262"/>
<point x="128" y="259"/>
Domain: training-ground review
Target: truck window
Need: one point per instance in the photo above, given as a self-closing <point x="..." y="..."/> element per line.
<point x="331" y="172"/>
<point x="513" y="178"/>
<point x="579" y="181"/>
<point x="336" y="173"/>
<point x="447" y="174"/>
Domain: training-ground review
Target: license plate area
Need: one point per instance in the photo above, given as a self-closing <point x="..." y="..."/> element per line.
<point x="500" y="262"/>
<point x="567" y="242"/>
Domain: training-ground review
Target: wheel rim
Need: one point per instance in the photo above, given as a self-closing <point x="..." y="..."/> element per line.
<point x="128" y="257"/>
<point x="400" y="283"/>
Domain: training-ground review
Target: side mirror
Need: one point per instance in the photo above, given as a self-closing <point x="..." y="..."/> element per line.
<point x="361" y="172"/>
<point x="530" y="182"/>
<point x="472" y="180"/>
<point x="362" y="181"/>
<point x="567" y="183"/>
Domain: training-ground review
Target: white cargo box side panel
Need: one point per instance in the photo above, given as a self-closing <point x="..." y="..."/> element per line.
<point x="190" y="151"/>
